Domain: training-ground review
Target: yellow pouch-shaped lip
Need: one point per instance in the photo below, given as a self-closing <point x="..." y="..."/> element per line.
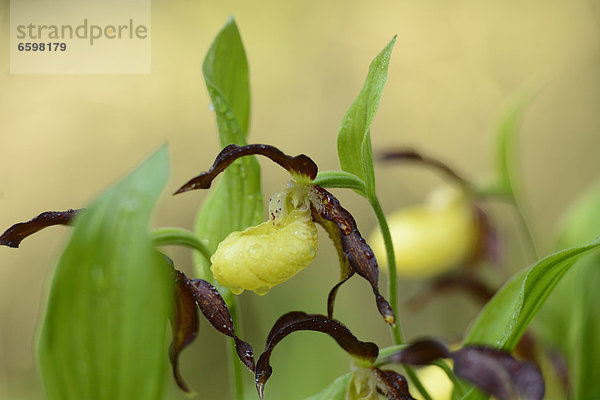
<point x="266" y="255"/>
<point x="431" y="238"/>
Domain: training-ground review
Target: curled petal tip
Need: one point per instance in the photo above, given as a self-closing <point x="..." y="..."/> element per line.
<point x="260" y="388"/>
<point x="182" y="189"/>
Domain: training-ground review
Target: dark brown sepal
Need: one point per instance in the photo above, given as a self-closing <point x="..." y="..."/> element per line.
<point x="299" y="165"/>
<point x="356" y="251"/>
<point x="216" y="312"/>
<point x="346" y="270"/>
<point x="497" y="373"/>
<point x="300" y="321"/>
<point x="184" y="323"/>
<point x="413" y="155"/>
<point x="16" y="233"/>
<point x="494" y="371"/>
<point x="392" y="385"/>
<point x="333" y="293"/>
<point x="422" y="352"/>
<point x="488" y="244"/>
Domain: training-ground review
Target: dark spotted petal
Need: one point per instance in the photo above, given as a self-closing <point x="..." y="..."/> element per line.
<point x="488" y="244"/>
<point x="392" y="385"/>
<point x="299" y="165"/>
<point x="412" y="155"/>
<point x="216" y="312"/>
<point x="300" y="321"/>
<point x="16" y="233"/>
<point x="494" y="371"/>
<point x="498" y="373"/>
<point x="184" y="323"/>
<point x="346" y="269"/>
<point x="355" y="250"/>
<point x="333" y="292"/>
<point x="422" y="352"/>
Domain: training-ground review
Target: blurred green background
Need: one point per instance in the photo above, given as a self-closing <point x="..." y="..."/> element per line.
<point x="64" y="138"/>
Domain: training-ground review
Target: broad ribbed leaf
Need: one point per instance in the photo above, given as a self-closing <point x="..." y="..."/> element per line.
<point x="236" y="202"/>
<point x="354" y="137"/>
<point x="225" y="69"/>
<point x="504" y="319"/>
<point x="570" y="321"/>
<point x="103" y="336"/>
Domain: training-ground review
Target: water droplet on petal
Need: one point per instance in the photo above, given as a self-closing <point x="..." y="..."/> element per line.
<point x="255" y="251"/>
<point x="237" y="290"/>
<point x="261" y="291"/>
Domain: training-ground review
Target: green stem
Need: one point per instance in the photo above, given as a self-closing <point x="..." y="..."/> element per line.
<point x="236" y="369"/>
<point x="340" y="179"/>
<point x="386" y="352"/>
<point x="525" y="228"/>
<point x="412" y="375"/>
<point x="393" y="288"/>
<point x="391" y="263"/>
<point x="179" y="237"/>
<point x="447" y="370"/>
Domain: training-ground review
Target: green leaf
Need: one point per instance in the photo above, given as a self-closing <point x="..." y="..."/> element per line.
<point x="569" y="321"/>
<point x="506" y="316"/>
<point x="335" y="391"/>
<point x="103" y="336"/>
<point x="340" y="179"/>
<point x="354" y="138"/>
<point x="236" y="202"/>
<point x="507" y="181"/>
<point x="225" y="69"/>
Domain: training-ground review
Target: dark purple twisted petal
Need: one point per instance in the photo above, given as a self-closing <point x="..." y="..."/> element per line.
<point x="190" y="294"/>
<point x="499" y="374"/>
<point x="301" y="164"/>
<point x="413" y="155"/>
<point x="355" y="249"/>
<point x="184" y="323"/>
<point x="494" y="371"/>
<point x="392" y="385"/>
<point x="16" y="233"/>
<point x="422" y="352"/>
<point x="300" y="321"/>
<point x="216" y="312"/>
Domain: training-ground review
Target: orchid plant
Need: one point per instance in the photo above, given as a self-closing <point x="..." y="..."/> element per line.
<point x="112" y="282"/>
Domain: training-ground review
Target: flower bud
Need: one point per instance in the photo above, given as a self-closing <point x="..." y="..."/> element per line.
<point x="268" y="254"/>
<point x="431" y="238"/>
